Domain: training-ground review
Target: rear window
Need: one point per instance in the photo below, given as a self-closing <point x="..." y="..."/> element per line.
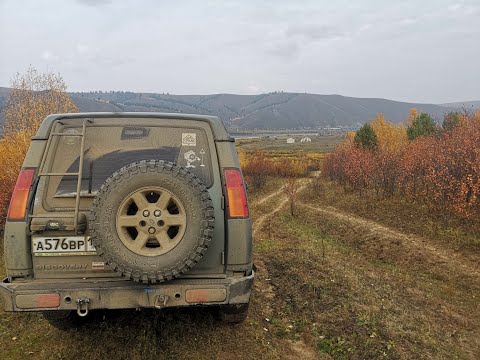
<point x="108" y="148"/>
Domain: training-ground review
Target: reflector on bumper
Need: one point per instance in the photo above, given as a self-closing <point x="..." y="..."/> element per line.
<point x="37" y="301"/>
<point x="205" y="295"/>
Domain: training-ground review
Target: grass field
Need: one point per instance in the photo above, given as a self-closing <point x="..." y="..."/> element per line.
<point x="319" y="144"/>
<point x="349" y="277"/>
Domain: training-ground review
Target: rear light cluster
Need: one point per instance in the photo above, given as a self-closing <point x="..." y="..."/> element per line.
<point x="236" y="196"/>
<point x="18" y="202"/>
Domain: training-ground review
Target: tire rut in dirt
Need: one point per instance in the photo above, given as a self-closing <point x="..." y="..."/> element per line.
<point x="421" y="248"/>
<point x="141" y="261"/>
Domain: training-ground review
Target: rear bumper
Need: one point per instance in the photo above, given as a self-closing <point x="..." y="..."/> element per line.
<point x="43" y="295"/>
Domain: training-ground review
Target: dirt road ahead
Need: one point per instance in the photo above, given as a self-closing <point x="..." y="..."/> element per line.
<point x="412" y="295"/>
<point x="329" y="284"/>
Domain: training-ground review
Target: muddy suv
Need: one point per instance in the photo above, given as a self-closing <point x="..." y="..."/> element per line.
<point x="128" y="210"/>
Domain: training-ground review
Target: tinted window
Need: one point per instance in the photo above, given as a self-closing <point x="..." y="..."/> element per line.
<point x="109" y="148"/>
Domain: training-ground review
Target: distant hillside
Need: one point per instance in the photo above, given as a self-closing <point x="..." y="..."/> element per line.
<point x="276" y="110"/>
<point x="469" y="105"/>
<point x="3" y="100"/>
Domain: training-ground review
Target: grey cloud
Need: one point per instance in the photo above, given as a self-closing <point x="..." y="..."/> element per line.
<point x="290" y="43"/>
<point x="314" y="32"/>
<point x="423" y="50"/>
<point x="94" y="2"/>
<point x="286" y="49"/>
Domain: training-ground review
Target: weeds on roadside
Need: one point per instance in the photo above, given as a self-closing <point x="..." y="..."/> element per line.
<point x="316" y="185"/>
<point x="291" y="189"/>
<point x="257" y="167"/>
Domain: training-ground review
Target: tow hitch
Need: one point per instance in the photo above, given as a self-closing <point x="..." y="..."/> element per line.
<point x="82" y="306"/>
<point x="161" y="301"/>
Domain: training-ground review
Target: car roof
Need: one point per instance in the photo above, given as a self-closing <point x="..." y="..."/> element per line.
<point x="218" y="128"/>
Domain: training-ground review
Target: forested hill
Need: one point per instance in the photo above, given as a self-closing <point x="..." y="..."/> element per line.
<point x="278" y="110"/>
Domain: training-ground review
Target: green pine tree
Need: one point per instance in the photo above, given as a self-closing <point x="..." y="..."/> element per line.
<point x="423" y="125"/>
<point x="366" y="138"/>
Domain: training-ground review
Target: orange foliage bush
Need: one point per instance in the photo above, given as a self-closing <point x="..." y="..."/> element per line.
<point x="441" y="170"/>
<point x="12" y="151"/>
<point x="351" y="166"/>
<point x="449" y="175"/>
<point x="32" y="97"/>
<point x="286" y="167"/>
<point x="257" y="166"/>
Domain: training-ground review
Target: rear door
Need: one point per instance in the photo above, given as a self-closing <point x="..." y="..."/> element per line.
<point x="60" y="251"/>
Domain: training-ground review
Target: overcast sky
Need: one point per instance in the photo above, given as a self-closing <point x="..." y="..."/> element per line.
<point x="410" y="50"/>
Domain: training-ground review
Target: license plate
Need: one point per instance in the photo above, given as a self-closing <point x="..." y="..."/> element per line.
<point x="62" y="245"/>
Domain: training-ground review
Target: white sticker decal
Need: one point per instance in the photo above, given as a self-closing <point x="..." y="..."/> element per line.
<point x="73" y="139"/>
<point x="202" y="152"/>
<point x="189" y="139"/>
<point x="191" y="157"/>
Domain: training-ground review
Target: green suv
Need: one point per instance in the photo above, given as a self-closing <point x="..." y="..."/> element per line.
<point x="128" y="210"/>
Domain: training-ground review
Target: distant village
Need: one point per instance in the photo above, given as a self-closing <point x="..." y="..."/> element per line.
<point x="291" y="136"/>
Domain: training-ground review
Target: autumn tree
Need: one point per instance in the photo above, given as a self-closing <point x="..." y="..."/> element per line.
<point x="366" y="138"/>
<point x="412" y="115"/>
<point x="451" y="120"/>
<point x="391" y="137"/>
<point x="291" y="190"/>
<point x="423" y="125"/>
<point x="32" y="97"/>
<point x="441" y="169"/>
<point x="256" y="168"/>
<point x="476" y="116"/>
<point x="350" y="136"/>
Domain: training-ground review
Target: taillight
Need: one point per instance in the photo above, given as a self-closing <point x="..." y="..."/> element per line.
<point x="18" y="203"/>
<point x="236" y="197"/>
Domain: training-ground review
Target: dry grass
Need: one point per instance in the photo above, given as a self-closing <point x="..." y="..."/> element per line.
<point x="346" y="300"/>
<point x="194" y="333"/>
<point x="325" y="287"/>
<point x="319" y="144"/>
<point x="405" y="216"/>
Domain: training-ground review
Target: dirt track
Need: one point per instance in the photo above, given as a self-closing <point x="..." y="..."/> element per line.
<point x="298" y="349"/>
<point x="440" y="260"/>
<point x="258" y="223"/>
<point x="446" y="257"/>
<point x="376" y="291"/>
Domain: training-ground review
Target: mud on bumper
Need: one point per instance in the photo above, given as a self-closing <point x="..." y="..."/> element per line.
<point x="122" y="294"/>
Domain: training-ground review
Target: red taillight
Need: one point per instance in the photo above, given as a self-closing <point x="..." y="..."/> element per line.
<point x="18" y="203"/>
<point x="236" y="197"/>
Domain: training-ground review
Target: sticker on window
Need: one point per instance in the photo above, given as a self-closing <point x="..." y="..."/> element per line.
<point x="189" y="139"/>
<point x="73" y="139"/>
<point x="202" y="152"/>
<point x="191" y="158"/>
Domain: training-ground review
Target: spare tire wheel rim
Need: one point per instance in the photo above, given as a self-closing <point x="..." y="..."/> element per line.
<point x="151" y="221"/>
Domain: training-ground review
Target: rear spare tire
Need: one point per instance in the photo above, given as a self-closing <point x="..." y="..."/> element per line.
<point x="152" y="221"/>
